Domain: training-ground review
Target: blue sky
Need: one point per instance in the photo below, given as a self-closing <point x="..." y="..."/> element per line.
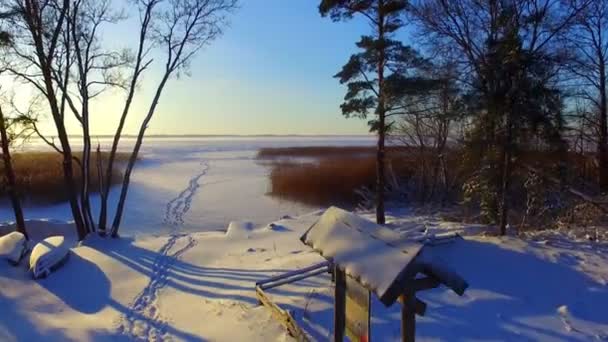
<point x="270" y="73"/>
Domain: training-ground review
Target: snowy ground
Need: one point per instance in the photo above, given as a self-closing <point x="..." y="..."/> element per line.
<point x="174" y="276"/>
<point x="200" y="287"/>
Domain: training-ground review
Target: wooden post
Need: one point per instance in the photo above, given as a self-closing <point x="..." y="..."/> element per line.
<point x="339" y="305"/>
<point x="408" y="317"/>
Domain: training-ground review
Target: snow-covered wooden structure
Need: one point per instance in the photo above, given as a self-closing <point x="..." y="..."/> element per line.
<point x="381" y="261"/>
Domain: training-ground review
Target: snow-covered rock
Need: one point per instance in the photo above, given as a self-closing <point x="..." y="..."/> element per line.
<point x="12" y="247"/>
<point x="239" y="229"/>
<point x="48" y="255"/>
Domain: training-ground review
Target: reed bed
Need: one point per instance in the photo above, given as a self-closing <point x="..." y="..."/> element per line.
<point x="39" y="175"/>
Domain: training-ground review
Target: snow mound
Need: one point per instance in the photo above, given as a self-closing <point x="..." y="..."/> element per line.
<point x="48" y="255"/>
<point x="12" y="247"/>
<point x="239" y="229"/>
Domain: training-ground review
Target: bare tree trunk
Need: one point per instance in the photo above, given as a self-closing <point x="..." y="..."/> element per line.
<point x="9" y="174"/>
<point x="85" y="186"/>
<point x="139" y="67"/>
<point x="127" y="177"/>
<point x="33" y="18"/>
<point x="602" y="147"/>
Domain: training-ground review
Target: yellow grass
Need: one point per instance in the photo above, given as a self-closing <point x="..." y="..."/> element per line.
<point x="40" y="179"/>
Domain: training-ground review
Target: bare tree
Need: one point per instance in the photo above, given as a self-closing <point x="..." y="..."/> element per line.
<point x="9" y="132"/>
<point x="182" y="29"/>
<point x="588" y="46"/>
<point x="60" y="53"/>
<point x="426" y="125"/>
<point x="90" y="69"/>
<point x="502" y="47"/>
<point x="38" y="27"/>
<point x="147" y="11"/>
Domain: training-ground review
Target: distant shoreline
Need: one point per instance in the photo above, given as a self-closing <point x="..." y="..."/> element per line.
<point x="131" y="136"/>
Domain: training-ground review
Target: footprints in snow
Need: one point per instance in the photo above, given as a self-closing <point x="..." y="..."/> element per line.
<point x="143" y="321"/>
<point x="180" y="205"/>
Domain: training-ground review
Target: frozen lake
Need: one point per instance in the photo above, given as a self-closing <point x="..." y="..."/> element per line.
<point x="197" y="183"/>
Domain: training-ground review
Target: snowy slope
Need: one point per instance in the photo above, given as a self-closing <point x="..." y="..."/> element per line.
<point x="199" y="287"/>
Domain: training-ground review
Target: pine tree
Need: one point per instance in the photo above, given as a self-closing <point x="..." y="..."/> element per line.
<point x="381" y="75"/>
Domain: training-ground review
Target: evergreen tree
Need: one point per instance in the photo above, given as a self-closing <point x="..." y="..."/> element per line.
<point x="381" y="75"/>
<point x="510" y="59"/>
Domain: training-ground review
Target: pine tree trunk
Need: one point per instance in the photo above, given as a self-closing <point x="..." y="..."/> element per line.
<point x="506" y="176"/>
<point x="380" y="174"/>
<point x="380" y="177"/>
<point x="9" y="174"/>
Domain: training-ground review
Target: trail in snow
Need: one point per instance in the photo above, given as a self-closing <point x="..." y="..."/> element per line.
<point x="143" y="321"/>
<point x="180" y="205"/>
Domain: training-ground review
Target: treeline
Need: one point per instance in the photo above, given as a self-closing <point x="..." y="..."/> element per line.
<point x="516" y="88"/>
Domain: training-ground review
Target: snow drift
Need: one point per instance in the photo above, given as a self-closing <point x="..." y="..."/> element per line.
<point x="48" y="255"/>
<point x="12" y="247"/>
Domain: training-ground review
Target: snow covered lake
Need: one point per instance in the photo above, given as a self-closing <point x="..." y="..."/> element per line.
<point x="199" y="183"/>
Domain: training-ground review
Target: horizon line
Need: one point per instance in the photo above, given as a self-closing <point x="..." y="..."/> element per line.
<point x="213" y="135"/>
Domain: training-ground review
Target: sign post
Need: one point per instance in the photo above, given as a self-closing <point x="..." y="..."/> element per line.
<point x="357" y="311"/>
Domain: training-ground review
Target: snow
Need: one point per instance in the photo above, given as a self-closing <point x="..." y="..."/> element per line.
<point x="239" y="230"/>
<point x="200" y="286"/>
<point x="176" y="275"/>
<point x="349" y="241"/>
<point x="47" y="255"/>
<point x="12" y="247"/>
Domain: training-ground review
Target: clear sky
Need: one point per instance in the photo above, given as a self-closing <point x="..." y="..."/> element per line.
<point x="270" y="73"/>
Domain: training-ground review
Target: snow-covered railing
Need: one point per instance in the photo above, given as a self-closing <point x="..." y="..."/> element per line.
<point x="293" y="276"/>
<point x="284" y="316"/>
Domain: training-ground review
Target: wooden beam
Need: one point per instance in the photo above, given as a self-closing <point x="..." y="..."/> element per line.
<point x="426" y="283"/>
<point x="322" y="265"/>
<point x="340" y="305"/>
<point x="446" y="276"/>
<point x="408" y="317"/>
<point x="283" y="316"/>
<point x="419" y="306"/>
<point x="293" y="279"/>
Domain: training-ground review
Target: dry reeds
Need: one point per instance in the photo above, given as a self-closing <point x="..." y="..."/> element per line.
<point x="326" y="151"/>
<point x="39" y="175"/>
<point x="332" y="178"/>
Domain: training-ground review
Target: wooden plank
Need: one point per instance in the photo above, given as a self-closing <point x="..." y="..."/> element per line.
<point x="284" y="281"/>
<point x="283" y="316"/>
<point x="358" y="302"/>
<point x="445" y="275"/>
<point x="289" y="274"/>
<point x="339" y="305"/>
<point x="426" y="283"/>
